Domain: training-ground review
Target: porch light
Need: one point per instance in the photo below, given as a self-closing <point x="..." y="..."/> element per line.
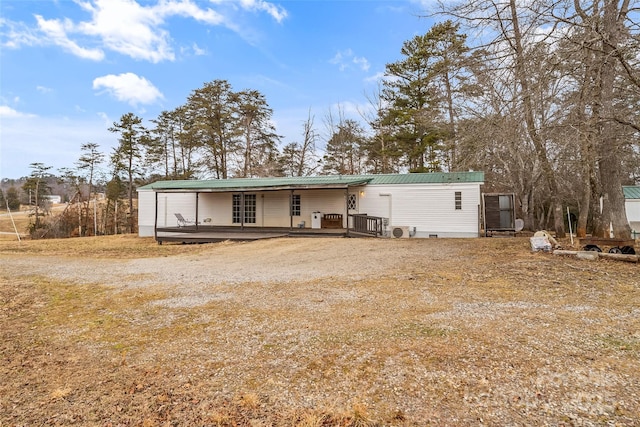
<point x="361" y="193"/>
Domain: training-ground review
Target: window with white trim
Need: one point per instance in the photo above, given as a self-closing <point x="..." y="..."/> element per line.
<point x="352" y="202"/>
<point x="458" y="200"/>
<point x="295" y="205"/>
<point x="249" y="210"/>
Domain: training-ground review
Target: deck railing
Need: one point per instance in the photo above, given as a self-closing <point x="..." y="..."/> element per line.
<point x="366" y="224"/>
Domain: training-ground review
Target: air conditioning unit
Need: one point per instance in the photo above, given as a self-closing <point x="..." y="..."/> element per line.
<point x="398" y="232"/>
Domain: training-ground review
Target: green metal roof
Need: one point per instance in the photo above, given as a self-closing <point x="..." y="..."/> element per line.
<point x="327" y="181"/>
<point x="631" y="191"/>
<point x="239" y="184"/>
<point x="427" y="178"/>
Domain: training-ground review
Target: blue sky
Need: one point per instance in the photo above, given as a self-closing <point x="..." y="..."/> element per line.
<point x="70" y="68"/>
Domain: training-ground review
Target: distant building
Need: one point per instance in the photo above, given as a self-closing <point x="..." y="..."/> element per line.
<point x="53" y="198"/>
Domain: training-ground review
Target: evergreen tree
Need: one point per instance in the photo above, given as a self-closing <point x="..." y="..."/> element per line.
<point x="37" y="187"/>
<point x="412" y="113"/>
<point x="126" y="157"/>
<point x="258" y="142"/>
<point x="210" y="113"/>
<point x="13" y="199"/>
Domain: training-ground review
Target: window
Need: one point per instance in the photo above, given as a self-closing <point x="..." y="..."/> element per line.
<point x="352" y="202"/>
<point x="237" y="205"/>
<point x="295" y="205"/>
<point x="458" y="200"/>
<point x="506" y="208"/>
<point x="249" y="210"/>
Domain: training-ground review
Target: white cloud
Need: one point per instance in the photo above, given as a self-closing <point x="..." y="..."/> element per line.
<point x="128" y="87"/>
<point x="47" y="32"/>
<point x="44" y="89"/>
<point x="338" y="59"/>
<point x="17" y="34"/>
<point x="377" y="77"/>
<point x="8" y="112"/>
<point x="56" y="31"/>
<point x="125" y="26"/>
<point x="277" y="12"/>
<point x="105" y="118"/>
<point x="344" y="59"/>
<point x="198" y="51"/>
<point x="187" y="9"/>
<point x="362" y="62"/>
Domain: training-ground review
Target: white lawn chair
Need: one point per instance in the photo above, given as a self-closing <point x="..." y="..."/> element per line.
<point x="182" y="222"/>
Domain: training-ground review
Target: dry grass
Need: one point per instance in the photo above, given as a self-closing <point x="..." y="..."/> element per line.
<point x="453" y="332"/>
<point x="20" y="220"/>
<point x="122" y="246"/>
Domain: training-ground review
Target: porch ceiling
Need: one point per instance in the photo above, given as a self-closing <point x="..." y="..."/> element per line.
<point x="264" y="184"/>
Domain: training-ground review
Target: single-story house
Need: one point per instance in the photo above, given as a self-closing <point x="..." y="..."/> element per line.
<point x="394" y="205"/>
<point x="632" y="206"/>
<point x="53" y="198"/>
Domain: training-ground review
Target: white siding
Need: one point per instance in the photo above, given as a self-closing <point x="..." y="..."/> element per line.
<point x="272" y="207"/>
<point x="275" y="206"/>
<point x="632" y="207"/>
<point x="169" y="204"/>
<point x="216" y="206"/>
<point x="430" y="208"/>
<point x="276" y="209"/>
<point x="324" y="201"/>
<point x="146" y="211"/>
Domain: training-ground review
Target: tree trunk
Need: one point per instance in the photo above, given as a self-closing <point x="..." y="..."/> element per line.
<point x="533" y="131"/>
<point x="598" y="228"/>
<point x="608" y="149"/>
<point x="583" y="214"/>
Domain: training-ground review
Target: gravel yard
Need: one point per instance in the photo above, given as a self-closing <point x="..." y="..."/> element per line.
<point x="315" y="332"/>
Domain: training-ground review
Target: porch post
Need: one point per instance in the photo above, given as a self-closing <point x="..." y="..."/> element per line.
<point x="242" y="210"/>
<point x="291" y="210"/>
<point x="155" y="220"/>
<point x="346" y="191"/>
<point x="197" y="200"/>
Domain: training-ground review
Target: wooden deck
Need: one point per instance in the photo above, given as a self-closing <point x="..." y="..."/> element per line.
<point x="212" y="234"/>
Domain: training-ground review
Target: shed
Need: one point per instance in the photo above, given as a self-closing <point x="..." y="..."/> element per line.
<point x="499" y="212"/>
<point x="632" y="206"/>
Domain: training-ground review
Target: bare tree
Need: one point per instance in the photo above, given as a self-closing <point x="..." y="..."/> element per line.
<point x="603" y="24"/>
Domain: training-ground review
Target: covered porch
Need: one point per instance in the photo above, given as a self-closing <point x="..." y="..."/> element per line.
<point x="244" y="209"/>
<point x="212" y="234"/>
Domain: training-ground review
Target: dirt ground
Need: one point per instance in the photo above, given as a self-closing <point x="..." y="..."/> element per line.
<point x="120" y="331"/>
